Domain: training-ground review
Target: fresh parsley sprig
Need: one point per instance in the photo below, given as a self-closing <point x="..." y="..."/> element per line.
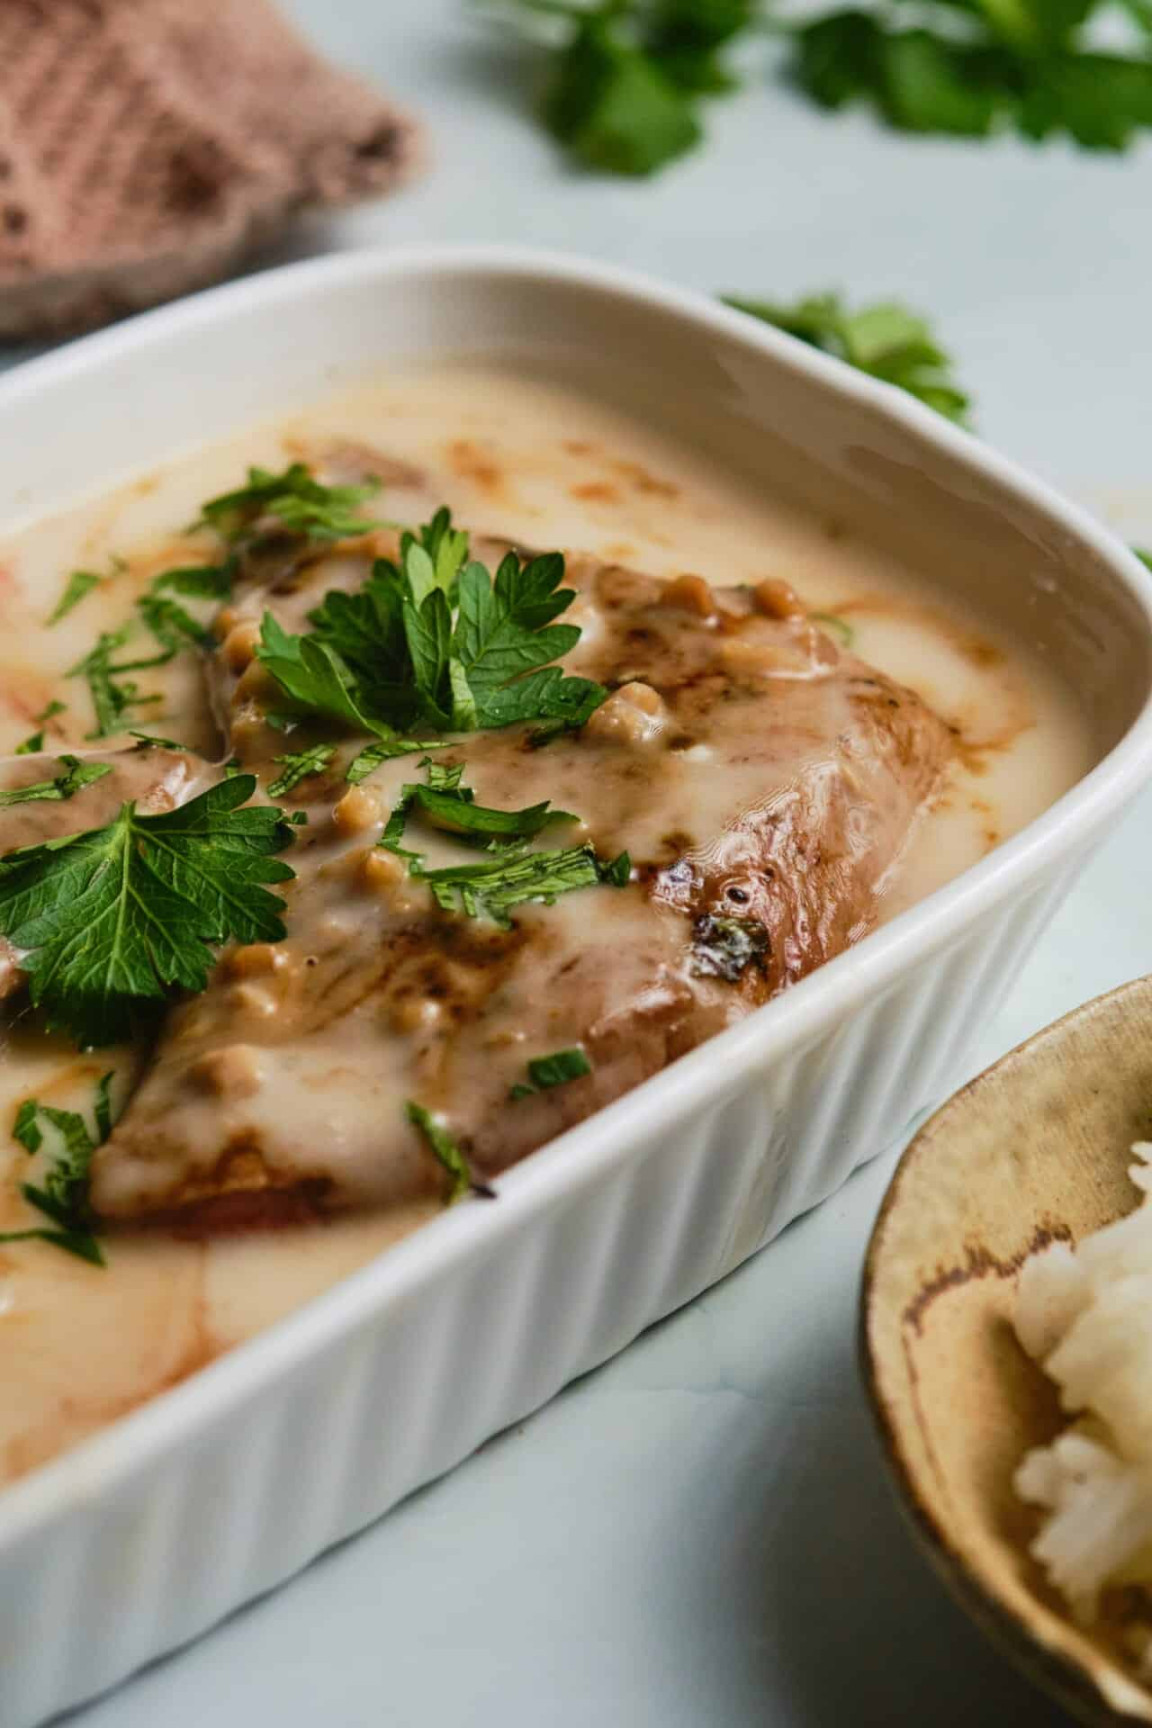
<point x="76" y="775"/>
<point x="115" y="918"/>
<point x="63" y="1196"/>
<point x="628" y="76"/>
<point x="436" y="641"/>
<point x="886" y="340"/>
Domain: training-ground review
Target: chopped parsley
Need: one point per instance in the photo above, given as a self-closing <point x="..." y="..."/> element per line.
<point x="199" y="581"/>
<point x="834" y="625"/>
<point x="63" y="1196"/>
<point x="117" y="917"/>
<point x="293" y="502"/>
<point x="150" y="741"/>
<point x="514" y="876"/>
<point x="173" y="627"/>
<point x="436" y="641"/>
<point x="885" y="340"/>
<point x="726" y="947"/>
<point x="80" y="584"/>
<point x="449" y="1155"/>
<point x="443" y="803"/>
<point x="545" y="1072"/>
<point x="113" y="695"/>
<point x="298" y="766"/>
<point x="33" y="745"/>
<point x="76" y="775"/>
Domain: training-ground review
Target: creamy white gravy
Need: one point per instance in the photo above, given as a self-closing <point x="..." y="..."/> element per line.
<point x="546" y="464"/>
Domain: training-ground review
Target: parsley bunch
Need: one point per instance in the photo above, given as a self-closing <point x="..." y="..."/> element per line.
<point x="435" y="641"/>
<point x="627" y="76"/>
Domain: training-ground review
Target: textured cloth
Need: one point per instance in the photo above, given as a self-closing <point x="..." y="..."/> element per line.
<point x="146" y="145"/>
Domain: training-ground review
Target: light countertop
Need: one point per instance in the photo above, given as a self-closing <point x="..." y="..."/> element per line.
<point x="700" y="1535"/>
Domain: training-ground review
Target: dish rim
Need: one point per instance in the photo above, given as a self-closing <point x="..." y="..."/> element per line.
<point x="572" y="1162"/>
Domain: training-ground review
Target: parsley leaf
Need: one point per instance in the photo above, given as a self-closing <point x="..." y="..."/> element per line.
<point x="1144" y="557"/>
<point x="76" y="775"/>
<point x="292" y="501"/>
<point x="118" y="916"/>
<point x="299" y="766"/>
<point x="555" y="1070"/>
<point x="449" y="1156"/>
<point x="63" y="1198"/>
<point x="885" y="340"/>
<point x="614" y="107"/>
<point x="436" y="641"/>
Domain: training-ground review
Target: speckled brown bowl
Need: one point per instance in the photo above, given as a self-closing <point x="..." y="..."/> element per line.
<point x="1036" y="1148"/>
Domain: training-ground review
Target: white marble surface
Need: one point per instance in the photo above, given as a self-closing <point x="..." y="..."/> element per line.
<point x="701" y="1535"/>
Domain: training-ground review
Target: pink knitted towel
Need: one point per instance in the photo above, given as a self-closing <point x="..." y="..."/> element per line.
<point x="147" y="145"/>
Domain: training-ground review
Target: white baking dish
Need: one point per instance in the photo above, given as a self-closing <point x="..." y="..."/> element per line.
<point x="148" y="1533"/>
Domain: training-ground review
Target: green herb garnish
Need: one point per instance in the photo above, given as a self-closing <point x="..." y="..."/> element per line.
<point x="1144" y="557"/>
<point x="298" y="766"/>
<point x="172" y="626"/>
<point x="513" y="877"/>
<point x="293" y="502"/>
<point x="449" y="1155"/>
<point x="32" y="746"/>
<point x="886" y="341"/>
<point x="117" y="917"/>
<point x="80" y="583"/>
<point x="199" y="581"/>
<point x="113" y="695"/>
<point x="76" y="775"/>
<point x="545" y="1072"/>
<point x="982" y="67"/>
<point x="628" y="76"/>
<point x="835" y="626"/>
<point x="436" y="641"/>
<point x="63" y="1197"/>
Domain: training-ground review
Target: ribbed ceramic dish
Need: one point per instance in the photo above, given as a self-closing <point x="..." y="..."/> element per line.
<point x="148" y="1533"/>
